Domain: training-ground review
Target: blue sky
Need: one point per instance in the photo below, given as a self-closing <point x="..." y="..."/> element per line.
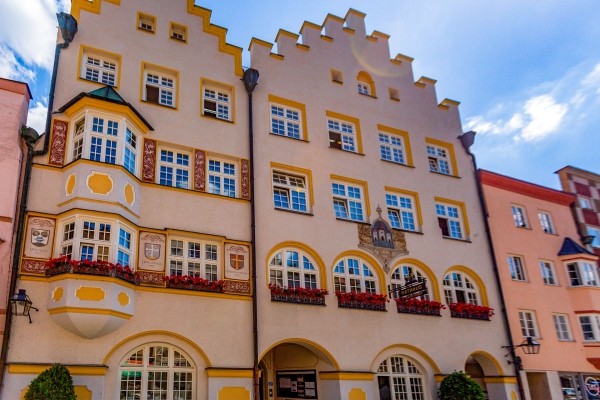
<point x="527" y="73"/>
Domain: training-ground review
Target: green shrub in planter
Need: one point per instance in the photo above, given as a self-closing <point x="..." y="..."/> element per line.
<point x="55" y="383"/>
<point x="458" y="386"/>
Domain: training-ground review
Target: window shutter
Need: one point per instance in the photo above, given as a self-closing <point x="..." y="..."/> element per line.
<point x="443" y="223"/>
<point x="210" y="108"/>
<point x="335" y="140"/>
<point x="152" y="94"/>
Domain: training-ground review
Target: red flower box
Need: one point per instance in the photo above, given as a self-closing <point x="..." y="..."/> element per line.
<point x="470" y="311"/>
<point x="63" y="265"/>
<point x="421" y="307"/>
<point x="298" y="295"/>
<point x="362" y="301"/>
<point x="193" y="283"/>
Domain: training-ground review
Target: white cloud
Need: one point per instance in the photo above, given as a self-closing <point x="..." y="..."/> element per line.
<point x="545" y="117"/>
<point x="10" y="67"/>
<point x="28" y="29"/>
<point x="36" y="118"/>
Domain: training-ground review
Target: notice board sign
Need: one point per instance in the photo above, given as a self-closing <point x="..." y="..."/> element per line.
<point x="297" y="384"/>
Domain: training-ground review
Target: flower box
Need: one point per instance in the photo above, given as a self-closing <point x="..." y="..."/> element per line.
<point x="421" y="307"/>
<point x="362" y="301"/>
<point x="298" y="295"/>
<point x="192" y="283"/>
<point x="470" y="311"/>
<point x="64" y="265"/>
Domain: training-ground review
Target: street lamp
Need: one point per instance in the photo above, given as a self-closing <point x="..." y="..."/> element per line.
<point x="21" y="304"/>
<point x="528" y="345"/>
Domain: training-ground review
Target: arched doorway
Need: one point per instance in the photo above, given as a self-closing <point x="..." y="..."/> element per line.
<point x="482" y="366"/>
<point x="290" y="370"/>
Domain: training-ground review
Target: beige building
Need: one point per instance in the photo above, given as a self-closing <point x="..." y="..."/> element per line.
<point x="362" y="193"/>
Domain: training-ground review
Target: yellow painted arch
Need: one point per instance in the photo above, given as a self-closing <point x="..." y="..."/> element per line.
<point x="305" y="248"/>
<point x="487" y="356"/>
<point x="158" y="332"/>
<point x="372" y="261"/>
<point x="309" y="344"/>
<point x="364" y="76"/>
<point x="400" y="347"/>
<point x="435" y="286"/>
<point x="471" y="274"/>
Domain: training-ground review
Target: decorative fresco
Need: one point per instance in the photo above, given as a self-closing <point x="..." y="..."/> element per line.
<point x="58" y="143"/>
<point x="152" y="251"/>
<point x="381" y="240"/>
<point x="39" y="238"/>
<point x="149" y="160"/>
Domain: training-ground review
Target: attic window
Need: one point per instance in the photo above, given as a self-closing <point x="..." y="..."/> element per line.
<point x="394" y="94"/>
<point x="179" y="32"/>
<point x="336" y="76"/>
<point x="146" y="23"/>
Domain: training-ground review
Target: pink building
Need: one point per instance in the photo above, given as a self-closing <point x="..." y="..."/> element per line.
<point x="550" y="283"/>
<point x="14" y="103"/>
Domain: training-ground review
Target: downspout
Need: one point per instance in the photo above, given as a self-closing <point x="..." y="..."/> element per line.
<point x="68" y="28"/>
<point x="467" y="139"/>
<point x="250" y="80"/>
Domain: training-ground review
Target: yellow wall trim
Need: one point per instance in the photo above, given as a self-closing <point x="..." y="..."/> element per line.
<point x="229" y="373"/>
<point x="234" y="393"/>
<point x="451" y="154"/>
<point x="401" y="346"/>
<point x="463" y="210"/>
<point x="431" y="278"/>
<point x="36" y="369"/>
<point x="357" y="394"/>
<point x="301" y="171"/>
<point x="307" y="249"/>
<point x="364" y="185"/>
<point x="500" y="379"/>
<point x="415" y="195"/>
<point x="370" y="260"/>
<point x="89" y="293"/>
<point x="405" y="138"/>
<point x="352" y="120"/>
<point x="471" y="274"/>
<point x="85" y="310"/>
<point x="346" y="376"/>
<point x="293" y="104"/>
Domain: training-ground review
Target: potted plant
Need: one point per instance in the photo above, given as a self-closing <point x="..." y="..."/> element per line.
<point x="55" y="383"/>
<point x="459" y="386"/>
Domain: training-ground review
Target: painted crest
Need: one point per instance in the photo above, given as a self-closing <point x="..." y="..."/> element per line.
<point x="236" y="261"/>
<point x="152" y="251"/>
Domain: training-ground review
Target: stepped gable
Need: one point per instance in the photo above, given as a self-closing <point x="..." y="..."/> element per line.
<point x="344" y="41"/>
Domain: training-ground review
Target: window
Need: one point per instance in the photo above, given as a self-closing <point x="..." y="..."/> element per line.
<point x="104" y="138"/>
<point x="394" y="145"/>
<point x="289" y="191"/>
<point x="451" y="219"/>
<point x="285" y="121"/>
<point x="293" y="268"/>
<point x="402" y="211"/>
<point x="407" y="272"/>
<point x="440" y="157"/>
<point x="548" y="274"/>
<point x="561" y="325"/>
<point x="196" y="258"/>
<point x="341" y="135"/>
<point x="590" y="327"/>
<point x="157" y="371"/>
<point x="160" y="87"/>
<point x="595" y="232"/>
<point x="519" y="216"/>
<point x="179" y="32"/>
<point x="365" y="84"/>
<point x="459" y="288"/>
<point x="94" y="240"/>
<point x="349" y="201"/>
<point x="344" y="132"/>
<point x="216" y="103"/>
<point x="517" y="268"/>
<point x="352" y="274"/>
<point x="546" y="222"/>
<point x="528" y="324"/>
<point x="585" y="202"/>
<point x="174" y="169"/>
<point x="403" y="378"/>
<point x="99" y="66"/>
<point x="146" y="22"/>
<point x="582" y="274"/>
<point x="221" y="177"/>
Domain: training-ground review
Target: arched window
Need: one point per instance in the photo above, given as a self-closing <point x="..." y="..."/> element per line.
<point x="293" y="268"/>
<point x="459" y="288"/>
<point x="156" y="371"/>
<point x="404" y="380"/>
<point x="405" y="273"/>
<point x="352" y="274"/>
<point x="365" y="84"/>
